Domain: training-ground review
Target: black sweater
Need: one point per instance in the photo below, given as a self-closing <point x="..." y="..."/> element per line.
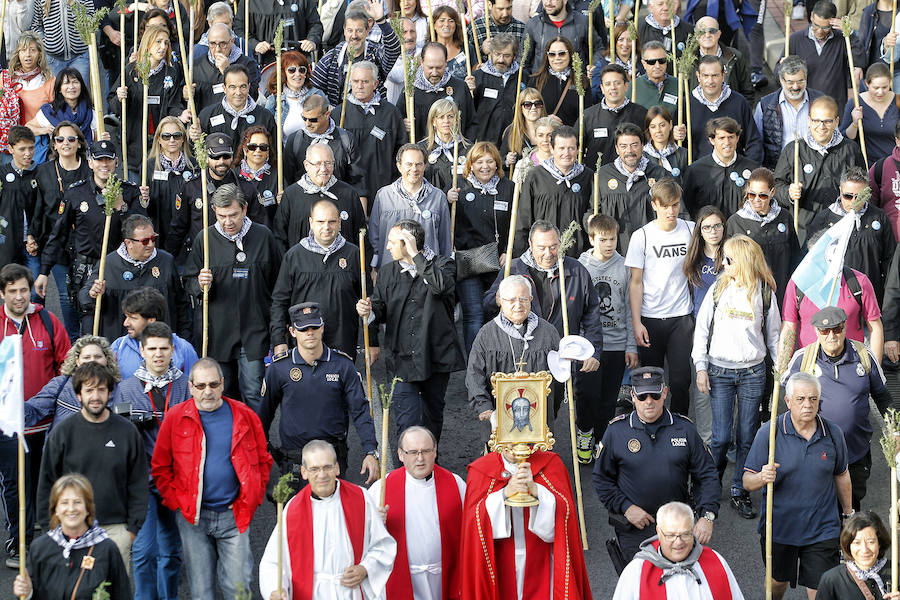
<point x="53" y="577"/>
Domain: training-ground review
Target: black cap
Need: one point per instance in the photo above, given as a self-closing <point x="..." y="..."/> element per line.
<point x="647" y="380"/>
<point x="306" y="314"/>
<point x="830" y="316"/>
<point x="103" y="149"/>
<point x="218" y="144"/>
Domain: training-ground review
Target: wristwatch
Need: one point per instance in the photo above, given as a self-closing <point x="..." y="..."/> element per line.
<point x="709" y="516"/>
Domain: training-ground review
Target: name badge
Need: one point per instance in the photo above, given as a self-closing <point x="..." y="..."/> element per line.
<point x="668" y="43"/>
<point x="601" y="132"/>
<point x="379" y="133"/>
<point x="160" y="176"/>
<point x="501" y="205"/>
<point x="670" y="99"/>
<point x="217" y="120"/>
<point x="152" y="99"/>
<point x="218" y="88"/>
<point x="490" y="93"/>
<point x="266" y="200"/>
<point x="240" y="273"/>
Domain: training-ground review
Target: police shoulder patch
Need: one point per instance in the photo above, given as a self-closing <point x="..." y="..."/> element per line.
<point x="342" y="353"/>
<point x="77" y="183"/>
<point x="619" y="418"/>
<point x="280" y="356"/>
<point x="688" y="419"/>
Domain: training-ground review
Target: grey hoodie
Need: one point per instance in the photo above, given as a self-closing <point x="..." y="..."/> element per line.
<point x="611" y="279"/>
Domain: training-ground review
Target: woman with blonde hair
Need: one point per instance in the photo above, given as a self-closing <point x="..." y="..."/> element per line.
<point x="76" y="555"/>
<point x="521" y="135"/>
<point x="737" y="325"/>
<point x="442" y="130"/>
<point x="542" y="150"/>
<point x="169" y="166"/>
<point x="484" y="202"/>
<point x="164" y="96"/>
<point x="29" y="85"/>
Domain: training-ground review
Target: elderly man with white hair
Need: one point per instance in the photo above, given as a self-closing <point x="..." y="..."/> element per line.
<point x="516" y="339"/>
<point x="675" y="559"/>
<point x="209" y="69"/>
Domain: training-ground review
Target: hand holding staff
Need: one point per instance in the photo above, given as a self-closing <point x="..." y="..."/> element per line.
<point x="281" y="494"/>
<point x="279" y="126"/>
<point x="111" y="195"/>
<point x="577" y="75"/>
<point x="87" y="26"/>
<point x="386" y="399"/>
<point x="848" y="29"/>
<point x="201" y="156"/>
<point x="365" y="326"/>
<point x="685" y="66"/>
<point x="143" y="69"/>
<point x="890" y="445"/>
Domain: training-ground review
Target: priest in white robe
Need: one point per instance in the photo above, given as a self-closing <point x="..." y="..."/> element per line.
<point x="335" y="544"/>
<point x="686" y="569"/>
<point x="423" y="511"/>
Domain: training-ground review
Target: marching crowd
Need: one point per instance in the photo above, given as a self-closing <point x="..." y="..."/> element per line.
<point x="236" y="200"/>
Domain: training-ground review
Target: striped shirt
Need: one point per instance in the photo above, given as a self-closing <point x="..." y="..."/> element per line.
<point x="57" y="30"/>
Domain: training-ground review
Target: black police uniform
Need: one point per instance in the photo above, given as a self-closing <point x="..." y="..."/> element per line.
<point x="648" y="465"/>
<point x="317" y="401"/>
<point x="53" y="182"/>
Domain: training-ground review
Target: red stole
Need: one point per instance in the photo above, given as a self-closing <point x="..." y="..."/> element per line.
<point x="300" y="534"/>
<point x="709" y="563"/>
<point x="449" y="505"/>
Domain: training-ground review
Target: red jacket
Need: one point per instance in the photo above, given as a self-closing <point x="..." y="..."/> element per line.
<point x="180" y="456"/>
<point x="41" y="355"/>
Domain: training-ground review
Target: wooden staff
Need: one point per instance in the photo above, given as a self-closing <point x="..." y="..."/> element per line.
<point x="281" y="494"/>
<point x="684" y="65"/>
<point x="889" y="445"/>
<point x="786" y="350"/>
<point x="95" y="84"/>
<point x="893" y="18"/>
<point x="568" y="238"/>
<point x="592" y="6"/>
<point x="612" y="29"/>
<point x="386" y="399"/>
<point x="246" y="26"/>
<point x="577" y="70"/>
<point x="512" y="224"/>
<point x="517" y="109"/>
<point x="680" y="106"/>
<point x="279" y="126"/>
<point x="465" y="36"/>
<point x="487" y="21"/>
<point x="596" y="190"/>
<point x="455" y="171"/>
<point x="121" y="6"/>
<point x="475" y="32"/>
<point x="365" y="326"/>
<point x="202" y="158"/>
<point x="847" y="29"/>
<point x="187" y="65"/>
<point x="430" y="24"/>
<point x="632" y="33"/>
<point x="143" y="68"/>
<point x="21" y="461"/>
<point x="797" y="177"/>
<point x="687" y="111"/>
<point x="134" y="44"/>
<point x="346" y="93"/>
<point x="788" y="9"/>
<point x="111" y="193"/>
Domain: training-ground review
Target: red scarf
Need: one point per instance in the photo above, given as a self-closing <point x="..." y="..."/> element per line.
<point x="716" y="578"/>
<point x="449" y="505"/>
<point x="300" y="534"/>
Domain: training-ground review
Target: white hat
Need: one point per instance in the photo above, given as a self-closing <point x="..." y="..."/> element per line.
<point x="571" y="347"/>
<point x="561" y="368"/>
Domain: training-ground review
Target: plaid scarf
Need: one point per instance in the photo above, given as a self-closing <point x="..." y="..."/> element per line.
<point x="319" y="137"/>
<point x="615" y="109"/>
<point x="528" y="258"/>
<point x="661" y="155"/>
<point x="489" y="187"/>
<point x="178" y="166"/>
<point x="714" y="104"/>
<point x="747" y="212"/>
<point x="152" y="381"/>
<point x="310" y="243"/>
<point x="121" y="251"/>
<point x="310" y="187"/>
<point x="232" y="56"/>
<point x="872" y="573"/>
<point x="93" y="536"/>
<point x="237" y="238"/>
<point x="406" y="267"/>
<point x="489" y="68"/>
<point x="423" y="84"/>
<point x="367" y="107"/>
<point x="836" y="138"/>
<point x="652" y="22"/>
<point x="238" y="114"/>
<point x="551" y="168"/>
<point x="510" y="328"/>
<point x="248" y="172"/>
<point x="632" y="177"/>
<point x="441" y="147"/>
<point x="561" y="75"/>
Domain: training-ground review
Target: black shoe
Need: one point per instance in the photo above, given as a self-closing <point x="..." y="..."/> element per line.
<point x="12" y="561"/>
<point x="743" y="506"/>
<point x="111" y="121"/>
<point x="759" y="80"/>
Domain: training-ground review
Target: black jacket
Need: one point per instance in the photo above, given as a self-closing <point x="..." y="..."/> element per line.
<point x="53" y="181"/>
<point x="631" y="208"/>
<point x="54" y="578"/>
<point x="18" y="201"/>
<point x="301" y="22"/>
<point x="838" y="584"/>
<point x="457" y="90"/>
<point x="214" y="119"/>
<point x="494" y="106"/>
<point x="480" y="216"/>
<point x="542" y="198"/>
<point x="378" y="137"/>
<point x="707" y="182"/>
<point x="600" y="125"/>
<point x="210" y="82"/>
<point x="347" y="165"/>
<point x="292" y="217"/>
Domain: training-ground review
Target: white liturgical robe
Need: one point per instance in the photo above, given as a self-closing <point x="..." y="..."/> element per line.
<point x="678" y="587"/>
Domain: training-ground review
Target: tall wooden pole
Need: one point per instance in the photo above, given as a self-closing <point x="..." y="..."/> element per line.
<point x="845" y="24"/>
<point x="455" y="171"/>
<point x="788" y="9"/>
<point x="513" y="215"/>
<point x="687" y="112"/>
<point x="893" y="29"/>
<point x="21" y="464"/>
<point x="122" y="83"/>
<point x="797" y="178"/>
<point x="431" y="23"/>
<point x="279" y="126"/>
<point x="247" y="50"/>
<point x="365" y="326"/>
<point x="205" y="191"/>
<point x="187" y="64"/>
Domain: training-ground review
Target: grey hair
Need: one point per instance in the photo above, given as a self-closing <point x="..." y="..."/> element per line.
<point x="652" y="45"/>
<point x="219" y="9"/>
<point x="800" y="378"/>
<point x="674" y="510"/>
<point x="353" y="14"/>
<point x="513" y="281"/>
<point x="314" y="101"/>
<point x="224" y="26"/>
<point x="226" y="195"/>
<point x="415" y="429"/>
<point x="542" y="226"/>
<point x="367" y="64"/>
<point x="505" y="40"/>
<point x="316" y="446"/>
<point x="854" y="174"/>
<point x="791" y="65"/>
<point x="319" y="146"/>
<point x="203" y="364"/>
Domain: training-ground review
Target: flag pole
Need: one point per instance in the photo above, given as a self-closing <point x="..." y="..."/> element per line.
<point x="847" y="29"/>
<point x="22" y="570"/>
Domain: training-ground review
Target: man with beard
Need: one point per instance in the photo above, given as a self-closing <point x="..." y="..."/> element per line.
<point x="494" y="88"/>
<point x="187" y="218"/>
<point x="501" y="21"/>
<point x="718" y="178"/>
<point x="108" y="450"/>
<point x="319" y="127"/>
<point x="781" y="113"/>
<point x="318" y="182"/>
<point x="433" y="82"/>
<point x="655" y="86"/>
<point x="210" y="68"/>
<point x="713" y="98"/>
<point x="823" y="154"/>
<point x="235" y="112"/>
<point x="657" y="27"/>
<point x="375" y="123"/>
<point x="625" y="183"/>
<point x="558" y="18"/>
<point x="614" y="109"/>
<point x="558" y="191"/>
<point x="323" y="267"/>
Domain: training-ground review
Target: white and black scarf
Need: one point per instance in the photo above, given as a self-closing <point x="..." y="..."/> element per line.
<point x="310" y="243"/>
<point x="561" y="75"/>
<point x="873" y="573"/>
<point x="612" y="109"/>
<point x="528" y="259"/>
<point x="91" y="537"/>
<point x="489" y="68"/>
<point x="639" y="171"/>
<point x="442" y="147"/>
<point x="121" y="251"/>
<point x="836" y="138"/>
<point x="510" y="328"/>
<point x="747" y="212"/>
<point x="661" y="155"/>
<point x="367" y="107"/>
<point x="408" y="267"/>
<point x="310" y="187"/>
<point x="551" y="168"/>
<point x="489" y="187"/>
<point x="152" y="381"/>
<point x="652" y="22"/>
<point x="238" y="114"/>
<point x="318" y="137"/>
<point x="237" y="238"/>
<point x="712" y="105"/>
<point x="178" y="166"/>
<point x="248" y="172"/>
<point x="423" y="84"/>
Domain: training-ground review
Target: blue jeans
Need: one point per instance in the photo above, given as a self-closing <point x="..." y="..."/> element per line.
<point x="471" y="292"/>
<point x="156" y="553"/>
<point x="79" y="62"/>
<point x="69" y="314"/>
<point x="243" y="379"/>
<point x="214" y="549"/>
<point x="748" y="385"/>
<point x="34" y="265"/>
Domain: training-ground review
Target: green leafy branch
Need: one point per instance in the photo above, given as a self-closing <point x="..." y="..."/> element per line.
<point x="578" y="73"/>
<point x="599" y="161"/>
<point x="864" y="196"/>
<point x="592" y="6"/>
<point x="111" y="194"/>
<point x="279" y="37"/>
<point x="632" y="31"/>
<point x="890" y="445"/>
<point x="100" y="593"/>
<point x="526" y="47"/>
<point x="143" y="68"/>
<point x="846" y="27"/>
<point x="283" y="489"/>
<point x="200" y="151"/>
<point x="688" y="56"/>
<point x="788" y="7"/>
<point x="397" y="25"/>
<point x="242" y="592"/>
<point x="121" y="6"/>
<point x="567" y="240"/>
<point x="87" y="24"/>
<point x="412" y="67"/>
<point x="387" y="397"/>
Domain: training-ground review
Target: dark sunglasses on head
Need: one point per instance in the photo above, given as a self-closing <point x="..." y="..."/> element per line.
<point x="528" y="104"/>
<point x="145" y="241"/>
<point x="255" y="147"/>
<point x="175" y="135"/>
<point x="656" y="61"/>
<point x="213" y="385"/>
<point x="293" y="69"/>
<point x="66" y="138"/>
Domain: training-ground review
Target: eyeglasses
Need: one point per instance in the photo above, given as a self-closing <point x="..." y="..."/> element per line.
<point x="418" y="453"/>
<point x="646" y="397"/>
<point x="213" y="385"/>
<point x="224" y="44"/>
<point x="519" y="300"/>
<point x="656" y="61"/>
<point x="708" y="30"/>
<point x="529" y="104"/>
<point x="727" y="260"/>
<point x="712" y="228"/>
<point x="847" y="196"/>
<point x="671" y="537"/>
<point x="328" y="164"/>
<point x="763" y="196"/>
<point x="820" y="27"/>
<point x="175" y="135"/>
<point x="145" y="241"/>
<point x="66" y="138"/>
<point x="555" y="54"/>
<point x="822" y="122"/>
<point x="828" y="330"/>
<point x="260" y="147"/>
<point x="322" y="469"/>
<point x="312" y="119"/>
<point x="293" y="69"/>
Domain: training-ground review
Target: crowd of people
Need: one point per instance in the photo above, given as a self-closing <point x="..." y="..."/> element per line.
<point x="417" y="194"/>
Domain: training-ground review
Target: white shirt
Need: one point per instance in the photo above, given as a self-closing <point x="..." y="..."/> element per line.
<point x="678" y="587"/>
<point x="661" y="255"/>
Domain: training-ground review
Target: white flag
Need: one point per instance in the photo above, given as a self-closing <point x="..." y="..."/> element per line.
<point x="12" y="391"/>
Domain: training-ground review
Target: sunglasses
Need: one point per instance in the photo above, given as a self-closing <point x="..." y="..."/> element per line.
<point x="529" y="104"/>
<point x="847" y="196"/>
<point x="646" y="397"/>
<point x="555" y="54"/>
<point x="763" y="196"/>
<point x="311" y="119"/>
<point x="260" y="147"/>
<point x="145" y="241"/>
<point x="176" y="135"/>
<point x="656" y="61"/>
<point x="295" y="68"/>
<point x="835" y="330"/>
<point x="221" y="156"/>
<point x="709" y="30"/>
<point x="213" y="385"/>
<point x="66" y="138"/>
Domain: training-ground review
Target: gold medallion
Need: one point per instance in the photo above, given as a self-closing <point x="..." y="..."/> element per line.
<point x="634" y="445"/>
<point x="612" y="184"/>
<point x="296" y="374"/>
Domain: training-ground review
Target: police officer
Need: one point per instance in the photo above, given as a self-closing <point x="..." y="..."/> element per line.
<point x="646" y="459"/>
<point x="318" y="389"/>
<point x="82" y="218"/>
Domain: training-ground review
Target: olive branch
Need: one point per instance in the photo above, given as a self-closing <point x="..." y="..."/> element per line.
<point x="411" y="68"/>
<point x="846" y="27"/>
<point x="87" y="24"/>
<point x="143" y="68"/>
<point x="100" y="593"/>
<point x="577" y="74"/>
<point x="121" y="6"/>
<point x="111" y="194"/>
<point x="632" y="31"/>
<point x="890" y="444"/>
<point x="599" y="161"/>
<point x="200" y="151"/>
<point x="387" y="397"/>
<point x="279" y="37"/>
<point x="283" y="488"/>
<point x="688" y="56"/>
<point x="567" y="240"/>
<point x="397" y="25"/>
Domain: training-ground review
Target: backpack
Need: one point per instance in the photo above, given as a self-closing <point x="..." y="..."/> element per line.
<point x="809" y="359"/>
<point x="855" y="289"/>
<point x="47" y="322"/>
